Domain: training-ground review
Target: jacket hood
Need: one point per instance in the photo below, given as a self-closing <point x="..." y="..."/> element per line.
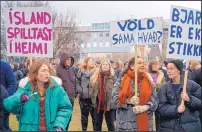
<point x="15" y="67"/>
<point x="64" y="57"/>
<point x="56" y="81"/>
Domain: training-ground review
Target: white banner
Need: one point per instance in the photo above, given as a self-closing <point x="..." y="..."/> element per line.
<point x="29" y="31"/>
<point x="143" y="31"/>
<point x="184" y="37"/>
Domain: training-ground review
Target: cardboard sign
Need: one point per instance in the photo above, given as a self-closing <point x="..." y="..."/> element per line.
<point x="184" y="38"/>
<point x="29" y="31"/>
<point x="142" y="31"/>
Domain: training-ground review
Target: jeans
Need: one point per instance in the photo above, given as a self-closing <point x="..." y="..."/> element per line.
<point x="109" y="117"/>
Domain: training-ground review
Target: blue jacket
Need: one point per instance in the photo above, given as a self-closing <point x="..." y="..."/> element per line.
<point x="4" y="115"/>
<point x="170" y="119"/>
<point x="7" y="78"/>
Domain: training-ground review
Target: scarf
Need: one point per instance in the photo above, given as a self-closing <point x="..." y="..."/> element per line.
<point x="102" y="97"/>
<point x="144" y="96"/>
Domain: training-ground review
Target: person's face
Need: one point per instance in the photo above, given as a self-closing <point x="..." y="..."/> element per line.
<point x="140" y="65"/>
<point x="126" y="64"/>
<point x="155" y="67"/>
<point x="90" y="63"/>
<point x="105" y="67"/>
<point x="43" y="74"/>
<point x="172" y="71"/>
<point x="68" y="62"/>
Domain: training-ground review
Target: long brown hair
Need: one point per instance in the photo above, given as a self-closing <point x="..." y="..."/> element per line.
<point x="85" y="63"/>
<point x="94" y="77"/>
<point x="32" y="75"/>
<point x="152" y="63"/>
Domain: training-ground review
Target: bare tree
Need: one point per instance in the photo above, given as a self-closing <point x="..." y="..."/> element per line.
<point x="65" y="37"/>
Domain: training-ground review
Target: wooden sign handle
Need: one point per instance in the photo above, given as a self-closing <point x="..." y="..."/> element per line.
<point x="185" y="80"/>
<point x="135" y="70"/>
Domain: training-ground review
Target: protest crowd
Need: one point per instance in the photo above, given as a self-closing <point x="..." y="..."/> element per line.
<point x="130" y="95"/>
<point x="103" y="90"/>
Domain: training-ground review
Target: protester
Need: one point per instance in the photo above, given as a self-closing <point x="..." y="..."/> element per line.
<point x="18" y="74"/>
<point x="7" y="78"/>
<point x="156" y="74"/>
<point x="41" y="101"/>
<point x="196" y="77"/>
<point x="65" y="72"/>
<point x="97" y="63"/>
<point x="102" y="82"/>
<point x="82" y="86"/>
<point x="4" y="115"/>
<point x="23" y="68"/>
<point x="125" y="64"/>
<point x="174" y="116"/>
<point x="195" y="65"/>
<point x="117" y="68"/>
<point x="135" y="110"/>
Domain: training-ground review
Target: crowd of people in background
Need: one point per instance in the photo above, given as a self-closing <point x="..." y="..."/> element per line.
<point x="42" y="95"/>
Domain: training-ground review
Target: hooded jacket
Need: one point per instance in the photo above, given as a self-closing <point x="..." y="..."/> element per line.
<point x="58" y="108"/>
<point x="67" y="75"/>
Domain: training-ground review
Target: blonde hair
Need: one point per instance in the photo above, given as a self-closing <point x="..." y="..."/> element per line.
<point x="94" y="77"/>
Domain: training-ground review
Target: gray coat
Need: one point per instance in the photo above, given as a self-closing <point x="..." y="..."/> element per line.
<point x="82" y="83"/>
<point x="125" y="117"/>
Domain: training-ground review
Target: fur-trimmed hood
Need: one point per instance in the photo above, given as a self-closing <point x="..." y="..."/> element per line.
<point x="25" y="80"/>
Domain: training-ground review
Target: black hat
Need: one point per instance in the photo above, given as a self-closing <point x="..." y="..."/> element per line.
<point x="178" y="64"/>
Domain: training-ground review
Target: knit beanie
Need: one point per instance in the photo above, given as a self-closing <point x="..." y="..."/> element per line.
<point x="178" y="64"/>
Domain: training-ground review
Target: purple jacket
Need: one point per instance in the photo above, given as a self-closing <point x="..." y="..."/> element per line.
<point x="67" y="75"/>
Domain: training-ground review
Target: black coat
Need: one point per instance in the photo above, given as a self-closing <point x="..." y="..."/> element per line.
<point x="4" y="115"/>
<point x="170" y="119"/>
<point x="196" y="76"/>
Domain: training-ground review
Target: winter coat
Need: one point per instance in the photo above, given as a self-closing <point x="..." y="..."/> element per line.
<point x="24" y="71"/>
<point x="4" y="115"/>
<point x="170" y="120"/>
<point x="7" y="78"/>
<point x="18" y="74"/>
<point x="58" y="108"/>
<point x="67" y="75"/>
<point x="118" y="72"/>
<point x="196" y="76"/>
<point x="125" y="117"/>
<point x="83" y="83"/>
<point x="109" y="88"/>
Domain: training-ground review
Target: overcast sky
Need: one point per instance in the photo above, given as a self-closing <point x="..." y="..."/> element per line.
<point x="104" y="11"/>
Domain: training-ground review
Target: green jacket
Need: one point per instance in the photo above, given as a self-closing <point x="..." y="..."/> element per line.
<point x="58" y="108"/>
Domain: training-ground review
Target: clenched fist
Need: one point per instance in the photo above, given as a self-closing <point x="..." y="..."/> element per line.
<point x="184" y="96"/>
<point x="181" y="109"/>
<point x="134" y="100"/>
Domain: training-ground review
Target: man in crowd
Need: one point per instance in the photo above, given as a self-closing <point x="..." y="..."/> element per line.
<point x="8" y="81"/>
<point x="65" y="72"/>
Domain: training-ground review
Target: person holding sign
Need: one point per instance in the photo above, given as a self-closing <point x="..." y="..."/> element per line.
<point x="134" y="110"/>
<point x="101" y="83"/>
<point x="40" y="100"/>
<point x="174" y="115"/>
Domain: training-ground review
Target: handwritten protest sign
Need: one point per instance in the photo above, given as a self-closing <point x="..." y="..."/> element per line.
<point x="29" y="31"/>
<point x="142" y="31"/>
<point x="184" y="38"/>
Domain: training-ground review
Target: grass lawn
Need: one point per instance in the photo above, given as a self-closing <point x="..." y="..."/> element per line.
<point x="75" y="124"/>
